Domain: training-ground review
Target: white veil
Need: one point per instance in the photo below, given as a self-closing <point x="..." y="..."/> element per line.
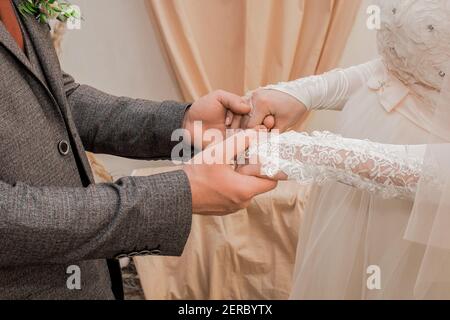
<point x="345" y="231"/>
<point x="429" y="224"/>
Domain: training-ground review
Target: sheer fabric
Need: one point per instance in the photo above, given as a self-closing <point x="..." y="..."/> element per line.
<point x="348" y="231"/>
<point x="429" y="222"/>
<point x="392" y="171"/>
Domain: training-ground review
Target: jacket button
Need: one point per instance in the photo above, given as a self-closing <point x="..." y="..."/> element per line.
<point x="64" y="147"/>
<point x="133" y="254"/>
<point x="121" y="256"/>
<point x="155" y="252"/>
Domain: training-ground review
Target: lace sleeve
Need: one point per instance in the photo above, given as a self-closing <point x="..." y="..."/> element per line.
<point x="330" y="90"/>
<point x="391" y="171"/>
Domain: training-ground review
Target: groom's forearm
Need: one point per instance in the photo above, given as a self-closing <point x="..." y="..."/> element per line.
<point x="146" y="215"/>
<point x="123" y="126"/>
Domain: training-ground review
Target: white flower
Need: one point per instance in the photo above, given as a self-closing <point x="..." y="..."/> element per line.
<point x="415" y="40"/>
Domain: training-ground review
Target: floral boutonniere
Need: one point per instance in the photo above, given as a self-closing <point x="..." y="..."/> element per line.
<point x="45" y="10"/>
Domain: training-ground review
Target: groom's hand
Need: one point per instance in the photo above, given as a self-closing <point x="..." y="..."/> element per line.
<point x="217" y="189"/>
<point x="211" y="111"/>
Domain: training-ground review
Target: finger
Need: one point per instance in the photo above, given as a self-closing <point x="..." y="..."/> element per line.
<point x="253" y="170"/>
<point x="259" y="186"/>
<point x="256" y="171"/>
<point x="257" y="118"/>
<point x="261" y="128"/>
<point x="238" y="144"/>
<point x="244" y="122"/>
<point x="229" y="118"/>
<point x="233" y="103"/>
<point x="236" y="123"/>
<point x="226" y="151"/>
<point x="269" y="122"/>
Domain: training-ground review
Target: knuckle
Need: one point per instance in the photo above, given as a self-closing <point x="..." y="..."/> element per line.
<point x="219" y="93"/>
<point x="263" y="99"/>
<point x="238" y="199"/>
<point x="244" y="205"/>
<point x="248" y="197"/>
<point x="245" y="196"/>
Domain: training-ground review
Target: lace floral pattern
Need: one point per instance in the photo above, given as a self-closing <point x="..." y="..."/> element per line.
<point x="387" y="170"/>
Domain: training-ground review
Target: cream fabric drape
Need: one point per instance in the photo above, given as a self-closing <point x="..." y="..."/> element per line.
<point x="239" y="45"/>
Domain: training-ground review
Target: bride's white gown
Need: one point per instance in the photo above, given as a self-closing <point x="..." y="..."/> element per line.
<point x="355" y="218"/>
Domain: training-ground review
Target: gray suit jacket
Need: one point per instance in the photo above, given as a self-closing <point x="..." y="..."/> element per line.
<point x="52" y="215"/>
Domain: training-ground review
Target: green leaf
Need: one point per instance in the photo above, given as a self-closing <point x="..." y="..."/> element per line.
<point x="43" y="10"/>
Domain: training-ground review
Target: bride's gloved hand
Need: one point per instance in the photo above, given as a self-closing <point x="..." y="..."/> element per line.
<point x="272" y="109"/>
<point x="284" y="105"/>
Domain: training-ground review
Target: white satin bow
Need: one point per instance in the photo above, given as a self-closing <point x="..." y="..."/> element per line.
<point x="391" y="91"/>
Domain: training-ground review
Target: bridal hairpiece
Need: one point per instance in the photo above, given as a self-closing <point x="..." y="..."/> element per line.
<point x="45" y="10"/>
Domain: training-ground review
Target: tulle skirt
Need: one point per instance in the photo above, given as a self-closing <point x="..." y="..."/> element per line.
<point x="352" y="244"/>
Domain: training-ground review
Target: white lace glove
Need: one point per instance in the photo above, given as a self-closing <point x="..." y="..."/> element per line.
<point x="392" y="171"/>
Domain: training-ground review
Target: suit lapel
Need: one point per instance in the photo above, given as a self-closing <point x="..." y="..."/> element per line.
<point x="38" y="34"/>
<point x="10" y="44"/>
<point x="42" y="43"/>
<point x="39" y="38"/>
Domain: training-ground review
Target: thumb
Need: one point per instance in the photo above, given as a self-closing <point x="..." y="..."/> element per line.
<point x="226" y="151"/>
<point x="256" y="171"/>
<point x="258" y="186"/>
<point x="251" y="170"/>
<point x="236" y="145"/>
<point x="233" y="103"/>
<point x="258" y="117"/>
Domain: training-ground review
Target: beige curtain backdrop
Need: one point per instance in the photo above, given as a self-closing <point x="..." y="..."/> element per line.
<point x="239" y="45"/>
